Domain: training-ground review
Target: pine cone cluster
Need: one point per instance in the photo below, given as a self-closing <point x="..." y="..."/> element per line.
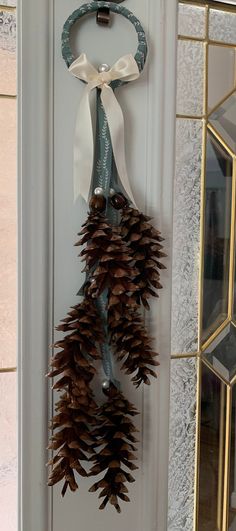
<point x="132" y="345"/>
<point x="145" y="247"/>
<point x="107" y="259"/>
<point x="115" y="433"/>
<point x="75" y="412"/>
<point x="124" y="264"/>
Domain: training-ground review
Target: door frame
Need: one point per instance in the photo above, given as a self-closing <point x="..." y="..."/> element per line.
<point x="35" y="258"/>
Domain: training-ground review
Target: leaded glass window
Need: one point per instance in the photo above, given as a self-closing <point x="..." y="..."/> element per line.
<point x="202" y="471"/>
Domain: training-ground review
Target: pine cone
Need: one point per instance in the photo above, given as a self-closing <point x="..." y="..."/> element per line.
<point x="107" y="259"/>
<point x="75" y="411"/>
<point x="145" y="247"/>
<point x="115" y="434"/>
<point x="73" y="441"/>
<point x="132" y="345"/>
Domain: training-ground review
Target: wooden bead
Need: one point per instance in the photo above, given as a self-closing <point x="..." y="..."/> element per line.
<point x="97" y="203"/>
<point x="118" y="201"/>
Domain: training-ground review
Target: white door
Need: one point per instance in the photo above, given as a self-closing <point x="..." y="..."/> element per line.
<point x="50" y="270"/>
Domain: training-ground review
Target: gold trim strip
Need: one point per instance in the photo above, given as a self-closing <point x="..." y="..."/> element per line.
<point x="233" y="380"/>
<point x="193" y="3"/>
<point x="232" y="245"/>
<point x="223" y="44"/>
<point x="198" y="445"/>
<point x="7" y="369"/>
<point x="193" y="39"/>
<point x="205" y="102"/>
<point x="209" y="41"/>
<point x="7" y="8"/>
<point x="184" y="356"/>
<point x="221" y="456"/>
<point x="190" y="116"/>
<point x="8" y="96"/>
<point x="227" y="460"/>
<point x="220" y="140"/>
<point x="212" y="369"/>
<point x="202" y="230"/>
<point x="215" y="334"/>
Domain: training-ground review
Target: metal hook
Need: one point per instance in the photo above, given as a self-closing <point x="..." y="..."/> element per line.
<point x="103" y="14"/>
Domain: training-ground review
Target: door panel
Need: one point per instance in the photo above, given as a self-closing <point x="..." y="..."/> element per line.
<point x="55" y="271"/>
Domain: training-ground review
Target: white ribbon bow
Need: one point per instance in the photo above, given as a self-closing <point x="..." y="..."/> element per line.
<point x="126" y="69"/>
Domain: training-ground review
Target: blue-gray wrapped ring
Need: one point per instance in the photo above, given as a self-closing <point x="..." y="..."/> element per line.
<point x="91" y="7"/>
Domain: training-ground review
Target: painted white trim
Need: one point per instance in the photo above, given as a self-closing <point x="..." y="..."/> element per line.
<point x="35" y="37"/>
<point x="160" y="174"/>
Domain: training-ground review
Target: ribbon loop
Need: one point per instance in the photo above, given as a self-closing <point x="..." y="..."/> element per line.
<point x="126" y="69"/>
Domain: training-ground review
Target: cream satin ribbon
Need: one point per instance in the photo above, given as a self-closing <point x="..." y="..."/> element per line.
<point x="126" y="69"/>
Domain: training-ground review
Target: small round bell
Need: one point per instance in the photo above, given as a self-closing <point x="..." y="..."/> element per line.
<point x="118" y="201"/>
<point x="97" y="203"/>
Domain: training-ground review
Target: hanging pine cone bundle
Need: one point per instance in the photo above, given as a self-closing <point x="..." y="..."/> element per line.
<point x="115" y="443"/>
<point x="145" y="247"/>
<point x="132" y="345"/>
<point x="75" y="412"/>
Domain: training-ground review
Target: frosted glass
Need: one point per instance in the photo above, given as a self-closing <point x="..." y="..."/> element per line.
<point x="222" y="26"/>
<point x="8" y="232"/>
<point x="182" y="444"/>
<point x="8" y="453"/>
<point x="7" y="52"/>
<point x="192" y="21"/>
<point x="190" y="78"/>
<point x="186" y="236"/>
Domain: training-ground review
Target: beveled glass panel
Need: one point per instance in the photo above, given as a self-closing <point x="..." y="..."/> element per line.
<point x="8" y="230"/>
<point x="7" y="52"/>
<point x="212" y="437"/>
<point x="192" y="21"/>
<point x="8" y="453"/>
<point x="218" y="189"/>
<point x="221" y="73"/>
<point x="224" y="121"/>
<point x="232" y="480"/>
<point x="190" y="79"/>
<point x="186" y="236"/>
<point x="221" y="354"/>
<point x="222" y="26"/>
<point x="183" y="391"/>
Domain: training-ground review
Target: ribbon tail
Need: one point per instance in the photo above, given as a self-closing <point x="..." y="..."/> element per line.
<point x="115" y="120"/>
<point x="83" y="148"/>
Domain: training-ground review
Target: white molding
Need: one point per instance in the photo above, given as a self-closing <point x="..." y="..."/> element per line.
<point x="160" y="174"/>
<point x="34" y="142"/>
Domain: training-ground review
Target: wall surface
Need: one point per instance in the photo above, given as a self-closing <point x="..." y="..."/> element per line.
<point x="49" y="221"/>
